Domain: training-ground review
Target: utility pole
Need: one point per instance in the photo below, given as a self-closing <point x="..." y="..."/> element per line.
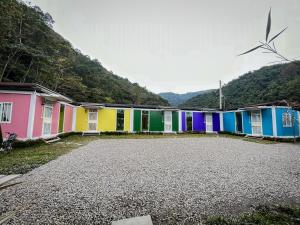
<point x="220" y="95"/>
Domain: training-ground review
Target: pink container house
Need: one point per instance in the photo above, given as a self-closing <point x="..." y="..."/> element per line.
<point x="33" y="111"/>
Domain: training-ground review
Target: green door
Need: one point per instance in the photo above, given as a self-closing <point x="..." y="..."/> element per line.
<point x="137" y="121"/>
<point x="61" y="118"/>
<point x="157" y="121"/>
<point x="175" y="121"/>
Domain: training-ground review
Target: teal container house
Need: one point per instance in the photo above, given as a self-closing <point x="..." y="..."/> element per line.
<point x="276" y="120"/>
<point x="155" y="119"/>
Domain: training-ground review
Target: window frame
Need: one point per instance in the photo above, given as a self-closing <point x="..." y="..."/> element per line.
<point x="189" y="115"/>
<point x="290" y="124"/>
<point x="256" y="124"/>
<point x="50" y="120"/>
<point x="209" y="123"/>
<point x="148" y="121"/>
<point x="168" y="123"/>
<point x="95" y="121"/>
<point x="1" y="110"/>
<point x="118" y="110"/>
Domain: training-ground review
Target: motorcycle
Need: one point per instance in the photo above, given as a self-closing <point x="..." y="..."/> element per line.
<point x="7" y="144"/>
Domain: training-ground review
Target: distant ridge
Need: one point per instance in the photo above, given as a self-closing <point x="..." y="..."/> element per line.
<point x="175" y="99"/>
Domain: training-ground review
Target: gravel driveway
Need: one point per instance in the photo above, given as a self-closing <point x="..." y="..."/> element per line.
<point x="171" y="179"/>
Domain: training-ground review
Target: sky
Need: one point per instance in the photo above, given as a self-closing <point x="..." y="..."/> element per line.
<point x="176" y="45"/>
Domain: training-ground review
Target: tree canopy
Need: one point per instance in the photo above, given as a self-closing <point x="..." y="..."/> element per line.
<point x="271" y="83"/>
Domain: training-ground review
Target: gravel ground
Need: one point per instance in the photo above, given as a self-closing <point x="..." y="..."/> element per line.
<point x="172" y="179"/>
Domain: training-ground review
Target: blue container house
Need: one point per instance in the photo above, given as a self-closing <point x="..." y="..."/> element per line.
<point x="269" y="120"/>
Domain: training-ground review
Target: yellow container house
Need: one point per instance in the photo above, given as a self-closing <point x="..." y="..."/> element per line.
<point x="96" y="118"/>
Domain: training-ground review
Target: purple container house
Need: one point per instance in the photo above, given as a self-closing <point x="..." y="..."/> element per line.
<point x="200" y="121"/>
<point x="216" y="122"/>
<point x="183" y="122"/>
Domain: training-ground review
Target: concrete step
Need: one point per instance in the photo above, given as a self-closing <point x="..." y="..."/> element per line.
<point x="254" y="137"/>
<point x="86" y="133"/>
<point x="141" y="220"/>
<point x="5" y="179"/>
<point x="48" y="141"/>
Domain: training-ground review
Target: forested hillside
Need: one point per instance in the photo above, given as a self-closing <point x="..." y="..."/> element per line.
<point x="176" y="99"/>
<point x="267" y="84"/>
<point x="30" y="51"/>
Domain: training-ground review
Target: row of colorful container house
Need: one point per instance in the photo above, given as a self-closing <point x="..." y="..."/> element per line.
<point x="33" y="111"/>
<point x="141" y="118"/>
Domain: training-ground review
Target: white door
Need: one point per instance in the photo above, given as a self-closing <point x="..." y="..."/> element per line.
<point x="47" y="118"/>
<point x="168" y="121"/>
<point x="256" y="122"/>
<point x="93" y="119"/>
<point x="209" y="122"/>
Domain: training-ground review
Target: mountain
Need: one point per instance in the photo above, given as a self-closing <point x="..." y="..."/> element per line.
<point x="175" y="99"/>
<point x="270" y="83"/>
<point x="31" y="51"/>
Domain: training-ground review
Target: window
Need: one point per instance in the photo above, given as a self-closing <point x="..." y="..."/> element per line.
<point x="168" y="121"/>
<point x="5" y="112"/>
<point x="256" y="117"/>
<point x="47" y="120"/>
<point x="209" y="122"/>
<point x="189" y="121"/>
<point x="145" y="120"/>
<point x="120" y="120"/>
<point x="93" y="119"/>
<point x="287" y="119"/>
<point x="256" y="122"/>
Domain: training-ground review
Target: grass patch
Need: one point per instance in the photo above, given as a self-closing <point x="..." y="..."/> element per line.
<point x="28" y="155"/>
<point x="262" y="215"/>
<point x="259" y="140"/>
<point x="23" y="159"/>
<point x="243" y="137"/>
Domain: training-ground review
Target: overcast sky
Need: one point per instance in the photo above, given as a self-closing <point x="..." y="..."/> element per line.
<point x="175" y="45"/>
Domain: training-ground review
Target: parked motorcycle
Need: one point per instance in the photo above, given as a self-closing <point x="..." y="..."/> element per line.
<point x="7" y="144"/>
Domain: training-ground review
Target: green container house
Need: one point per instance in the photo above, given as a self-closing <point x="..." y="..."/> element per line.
<point x="155" y="119"/>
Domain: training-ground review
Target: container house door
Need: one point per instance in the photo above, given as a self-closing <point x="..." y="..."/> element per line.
<point x="256" y="122"/>
<point x="168" y="121"/>
<point x="239" y="122"/>
<point x="209" y="122"/>
<point x="47" y="118"/>
<point x="120" y="120"/>
<point x="299" y="121"/>
<point x="189" y="121"/>
<point x="145" y="120"/>
<point x="61" y="118"/>
<point x="93" y="119"/>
